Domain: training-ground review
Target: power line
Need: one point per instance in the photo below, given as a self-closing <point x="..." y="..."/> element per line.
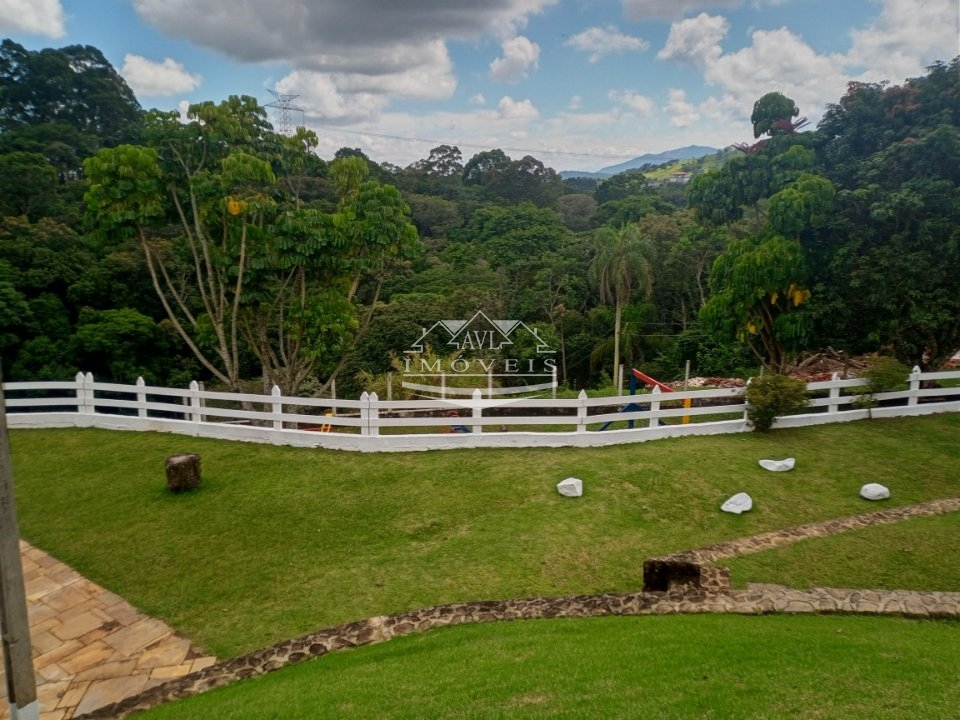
<point x="437" y="143"/>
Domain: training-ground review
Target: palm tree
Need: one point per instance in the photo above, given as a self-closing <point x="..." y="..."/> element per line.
<point x="623" y="259"/>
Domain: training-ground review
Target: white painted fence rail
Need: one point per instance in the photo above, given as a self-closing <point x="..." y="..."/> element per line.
<point x="373" y="425"/>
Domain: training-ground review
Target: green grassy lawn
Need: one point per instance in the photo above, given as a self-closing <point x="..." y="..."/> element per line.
<point x="283" y="541"/>
<point x="658" y="667"/>
<point x="921" y="554"/>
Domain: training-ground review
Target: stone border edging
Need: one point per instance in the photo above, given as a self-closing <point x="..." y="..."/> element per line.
<point x="687" y="596"/>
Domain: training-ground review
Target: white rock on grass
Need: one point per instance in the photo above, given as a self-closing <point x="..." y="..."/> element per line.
<point x="739" y="503"/>
<point x="874" y="491"/>
<point x="571" y="487"/>
<point x="778" y="465"/>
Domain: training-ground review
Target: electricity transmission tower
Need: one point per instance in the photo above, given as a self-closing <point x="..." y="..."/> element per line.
<point x="284" y="107"/>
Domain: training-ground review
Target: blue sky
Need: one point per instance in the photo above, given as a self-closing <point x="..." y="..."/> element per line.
<point x="578" y="84"/>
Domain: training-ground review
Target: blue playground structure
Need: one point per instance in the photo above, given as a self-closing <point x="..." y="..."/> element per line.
<point x="637" y="377"/>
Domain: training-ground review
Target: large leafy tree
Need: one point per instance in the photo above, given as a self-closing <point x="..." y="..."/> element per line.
<point x="622" y="263"/>
<point x="720" y="196"/>
<point x="121" y="344"/>
<point x="773" y="114"/>
<point x="198" y="273"/>
<point x="27" y="184"/>
<point x="685" y="252"/>
<point x="512" y="243"/>
<point x="198" y="199"/>
<point x="757" y="287"/>
<point x="239" y="265"/>
<point x="759" y="283"/>
<point x="74" y="85"/>
<point x="513" y="181"/>
<point x="300" y="313"/>
<point x="888" y="276"/>
<point x="439" y="175"/>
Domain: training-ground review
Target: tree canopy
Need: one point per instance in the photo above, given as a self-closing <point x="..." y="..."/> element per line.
<point x="211" y="247"/>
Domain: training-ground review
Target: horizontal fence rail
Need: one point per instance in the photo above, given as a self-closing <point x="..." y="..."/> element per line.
<point x="373" y="425"/>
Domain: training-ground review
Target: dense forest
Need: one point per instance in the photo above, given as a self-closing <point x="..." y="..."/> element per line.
<point x="138" y="243"/>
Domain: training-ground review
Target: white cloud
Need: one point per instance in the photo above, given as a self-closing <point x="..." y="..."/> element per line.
<point x="908" y="36"/>
<point x="430" y="77"/>
<point x="600" y="41"/>
<point x="510" y="109"/>
<point x="423" y="73"/>
<point x="265" y="30"/>
<point x="520" y="55"/>
<point x="683" y="113"/>
<point x="349" y="58"/>
<point x="146" y="77"/>
<point x="321" y="98"/>
<point x="695" y="42"/>
<point x="778" y="60"/>
<point x="671" y="9"/>
<point x="774" y="61"/>
<point x="633" y="102"/>
<point x="36" y="17"/>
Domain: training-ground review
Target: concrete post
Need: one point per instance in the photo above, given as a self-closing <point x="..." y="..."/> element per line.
<point x="14" y="625"/>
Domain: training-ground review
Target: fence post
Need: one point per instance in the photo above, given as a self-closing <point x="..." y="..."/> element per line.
<point x="553" y="382"/>
<point x="88" y="393"/>
<point x="914" y="385"/>
<point x="389" y="386"/>
<point x="276" y="408"/>
<point x="141" y="397"/>
<point x="655" y="406"/>
<point x="746" y="403"/>
<point x="365" y="413"/>
<point x="834" y="405"/>
<point x="582" y="411"/>
<point x="373" y="417"/>
<point x="195" y="414"/>
<point x="477" y="410"/>
<point x="81" y="395"/>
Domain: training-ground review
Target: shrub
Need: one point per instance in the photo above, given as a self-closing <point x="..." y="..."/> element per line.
<point x="883" y="374"/>
<point x="770" y="396"/>
<point x="886" y="374"/>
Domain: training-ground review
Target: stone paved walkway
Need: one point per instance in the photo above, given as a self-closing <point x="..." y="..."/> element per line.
<point x="91" y="648"/>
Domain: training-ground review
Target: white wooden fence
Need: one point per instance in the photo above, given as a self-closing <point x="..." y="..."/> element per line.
<point x="373" y="425"/>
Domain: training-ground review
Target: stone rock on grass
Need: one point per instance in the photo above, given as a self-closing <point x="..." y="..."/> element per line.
<point x="183" y="472"/>
<point x="571" y="487"/>
<point x="739" y="503"/>
<point x="874" y="491"/>
<point x="778" y="465"/>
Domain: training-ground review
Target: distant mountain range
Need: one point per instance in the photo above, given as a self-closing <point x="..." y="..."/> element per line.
<point x="685" y="153"/>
